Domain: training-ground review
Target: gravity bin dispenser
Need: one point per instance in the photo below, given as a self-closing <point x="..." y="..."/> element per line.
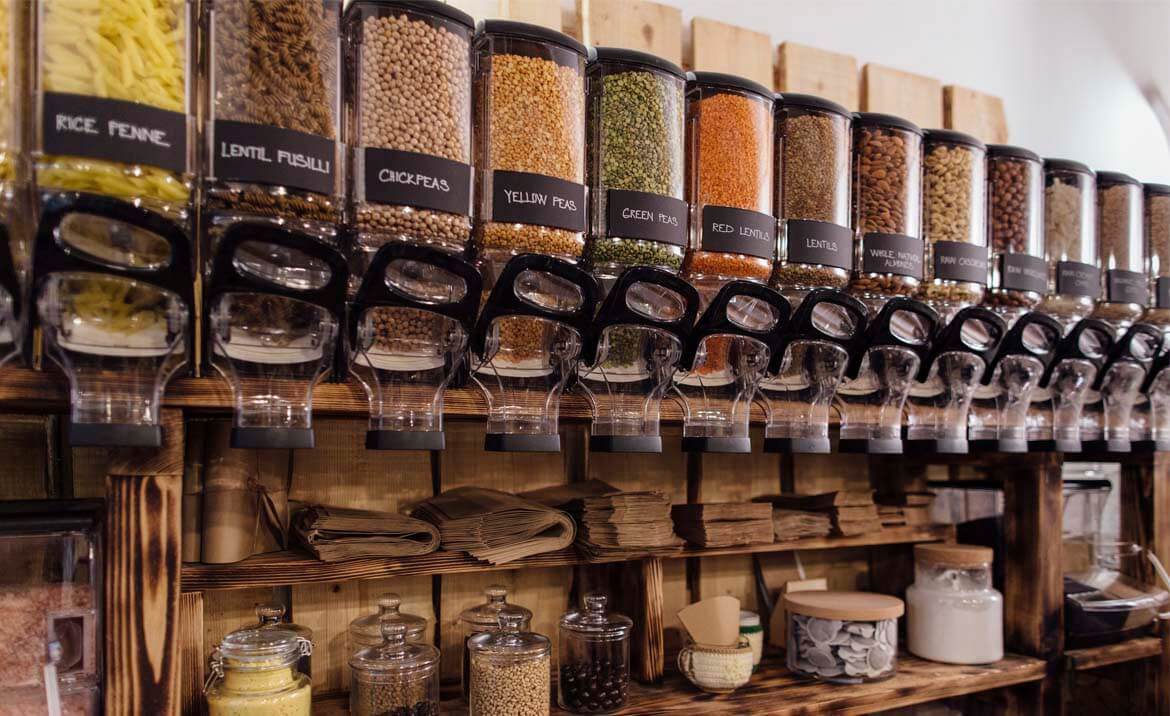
<point x="629" y="360"/>
<point x="723" y="363"/>
<point x="408" y="334"/>
<point x="524" y="349"/>
<point x="1105" y="422"/>
<point x="113" y="288"/>
<point x="1156" y="389"/>
<point x="1054" y="418"/>
<point x="275" y="303"/>
<point x="12" y="302"/>
<point x="941" y="397"/>
<point x="870" y="401"/>
<point x="826" y="332"/>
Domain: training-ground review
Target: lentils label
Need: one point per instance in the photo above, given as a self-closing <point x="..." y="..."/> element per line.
<point x="1162" y="293"/>
<point x="895" y="254"/>
<point x="113" y="130"/>
<point x="819" y="242"/>
<point x="1021" y="272"/>
<point x="524" y="198"/>
<point x="1078" y="279"/>
<point x="1126" y="287"/>
<point x="738" y="231"/>
<point x="960" y="261"/>
<point x="641" y="215"/>
<point x="263" y="154"/>
<point x="419" y="180"/>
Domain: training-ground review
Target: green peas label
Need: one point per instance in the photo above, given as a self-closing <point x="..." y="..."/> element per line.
<point x="641" y="215"/>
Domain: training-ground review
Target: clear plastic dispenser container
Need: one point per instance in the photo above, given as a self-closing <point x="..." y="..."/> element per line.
<point x="409" y="327"/>
<point x="510" y="669"/>
<point x="275" y="304"/>
<point x="271" y="616"/>
<point x="826" y="332"/>
<point x="1070" y="237"/>
<point x="940" y="400"/>
<point x="1122" y="250"/>
<point x="1105" y="423"/>
<point x="630" y="356"/>
<point x="723" y="363"/>
<point x="113" y="286"/>
<point x="1157" y="208"/>
<point x="408" y="125"/>
<point x="999" y="413"/>
<point x="1054" y="419"/>
<point x="51" y="606"/>
<point x="1015" y="218"/>
<point x="1156" y="388"/>
<point x="954" y="614"/>
<point x="593" y="658"/>
<point x="394" y="677"/>
<point x="254" y="671"/>
<point x="486" y="618"/>
<point x="878" y="381"/>
<point x="842" y="637"/>
<point x="367" y="631"/>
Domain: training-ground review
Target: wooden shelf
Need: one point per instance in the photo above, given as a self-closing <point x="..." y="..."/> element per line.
<point x="1110" y="654"/>
<point x="281" y="568"/>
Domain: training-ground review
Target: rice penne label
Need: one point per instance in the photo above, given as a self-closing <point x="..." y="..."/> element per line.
<point x="113" y="130"/>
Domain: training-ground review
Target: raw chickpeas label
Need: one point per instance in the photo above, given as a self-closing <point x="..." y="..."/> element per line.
<point x="1078" y="279"/>
<point x="524" y="198"/>
<point x="263" y="154"/>
<point x="114" y="130"/>
<point x="419" y="180"/>
<point x="960" y="261"/>
<point x="1022" y="272"/>
<point x="1126" y="287"/>
<point x="1162" y="293"/>
<point x="738" y="231"/>
<point x="895" y="254"/>
<point x="819" y="242"/>
<point x="641" y="215"/>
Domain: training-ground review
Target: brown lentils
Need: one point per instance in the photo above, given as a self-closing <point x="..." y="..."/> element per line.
<point x="1012" y="207"/>
<point x="520" y="688"/>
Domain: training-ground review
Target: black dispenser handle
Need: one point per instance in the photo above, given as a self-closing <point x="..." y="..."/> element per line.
<point x="615" y="311"/>
<point x="1071" y="347"/>
<point x="1015" y="343"/>
<point x="1126" y="350"/>
<point x="714" y="320"/>
<point x="881" y="333"/>
<point x="950" y="339"/>
<point x="802" y="326"/>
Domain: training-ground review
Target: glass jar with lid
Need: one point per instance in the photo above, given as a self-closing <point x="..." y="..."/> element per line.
<point x="955" y="614"/>
<point x="510" y="669"/>
<point x="1019" y="271"/>
<point x="486" y="618"/>
<point x="843" y="637"/>
<point x="1070" y="237"/>
<point x="254" y="672"/>
<point x="1157" y="208"/>
<point x="1121" y="251"/>
<point x="270" y="615"/>
<point x="368" y="631"/>
<point x="594" y="658"/>
<point x="394" y="677"/>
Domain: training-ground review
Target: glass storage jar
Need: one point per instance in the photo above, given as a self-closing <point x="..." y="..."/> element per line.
<point x="530" y="141"/>
<point x="635" y="162"/>
<point x="954" y="220"/>
<point x="408" y="121"/>
<point x="510" y="669"/>
<point x="1070" y="238"/>
<point x="843" y="637"/>
<point x="593" y="659"/>
<point x="271" y="616"/>
<point x="729" y="181"/>
<point x="1121" y="250"/>
<point x="887" y="208"/>
<point x="486" y="618"/>
<point x="1157" y="208"/>
<point x="254" y="672"/>
<point x="955" y="615"/>
<point x="1019" y="271"/>
<point x="812" y="194"/>
<point x="394" y="678"/>
<point x="367" y="631"/>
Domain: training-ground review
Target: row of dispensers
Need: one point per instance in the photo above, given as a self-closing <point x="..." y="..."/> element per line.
<point x="111" y="299"/>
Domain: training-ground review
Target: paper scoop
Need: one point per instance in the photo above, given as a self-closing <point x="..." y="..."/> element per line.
<point x="712" y="622"/>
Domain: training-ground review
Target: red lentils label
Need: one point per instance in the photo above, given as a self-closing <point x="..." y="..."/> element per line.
<point x="524" y="198"/>
<point x="738" y="231"/>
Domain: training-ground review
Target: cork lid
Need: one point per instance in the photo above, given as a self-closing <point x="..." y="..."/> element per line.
<point x="852" y="606"/>
<point x="954" y="555"/>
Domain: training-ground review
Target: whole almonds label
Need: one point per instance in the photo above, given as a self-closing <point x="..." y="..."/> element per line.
<point x="896" y="254"/>
<point x="1077" y="279"/>
<point x="263" y="154"/>
<point x="1126" y="287"/>
<point x="738" y="231"/>
<point x="114" y="130"/>
<point x="419" y="180"/>
<point x="1162" y="293"/>
<point x="819" y="242"/>
<point x="960" y="261"/>
<point x="524" y="198"/>
<point x="646" y="216"/>
<point x="1021" y="272"/>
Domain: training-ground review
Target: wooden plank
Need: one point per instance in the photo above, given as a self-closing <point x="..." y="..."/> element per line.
<point x="914" y="97"/>
<point x="635" y="24"/>
<point x="191" y="655"/>
<point x="24" y="474"/>
<point x="650" y="646"/>
<point x="811" y="70"/>
<point x="1110" y="654"/>
<point x="976" y="113"/>
<point x="720" y="47"/>
<point x="537" y="12"/>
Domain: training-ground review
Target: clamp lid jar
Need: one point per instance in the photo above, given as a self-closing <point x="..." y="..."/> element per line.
<point x="395" y="676"/>
<point x="368" y="631"/>
<point x="485" y="617"/>
<point x="270" y="615"/>
<point x="510" y="669"/>
<point x="594" y="658"/>
<point x="252" y="671"/>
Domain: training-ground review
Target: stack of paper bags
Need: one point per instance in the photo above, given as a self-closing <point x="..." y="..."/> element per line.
<point x="334" y="533"/>
<point x="724" y="525"/>
<point x="851" y="512"/>
<point x="904" y="509"/>
<point x="495" y="526"/>
<point x="796" y="524"/>
<point x="613" y="522"/>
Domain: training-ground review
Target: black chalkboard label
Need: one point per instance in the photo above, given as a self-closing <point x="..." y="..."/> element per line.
<point x="419" y="180"/>
<point x="523" y="198"/>
<point x="738" y="231"/>
<point x="895" y="254"/>
<point x="1023" y="272"/>
<point x="960" y="261"/>
<point x="263" y="154"/>
<point x="1126" y="287"/>
<point x="114" y="130"/>
<point x="819" y="242"/>
<point x="1162" y="293"/>
<point x="1077" y="279"/>
<point x="641" y="215"/>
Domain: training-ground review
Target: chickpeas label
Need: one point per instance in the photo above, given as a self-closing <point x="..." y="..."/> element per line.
<point x="819" y="242"/>
<point x="419" y="180"/>
<point x="1126" y="287"/>
<point x="1078" y="279"/>
<point x="960" y="261"/>
<point x="263" y="154"/>
<point x="524" y="198"/>
<point x="113" y="130"/>
<point x="1022" y="272"/>
<point x="642" y="215"/>
<point x="895" y="254"/>
<point x="738" y="231"/>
